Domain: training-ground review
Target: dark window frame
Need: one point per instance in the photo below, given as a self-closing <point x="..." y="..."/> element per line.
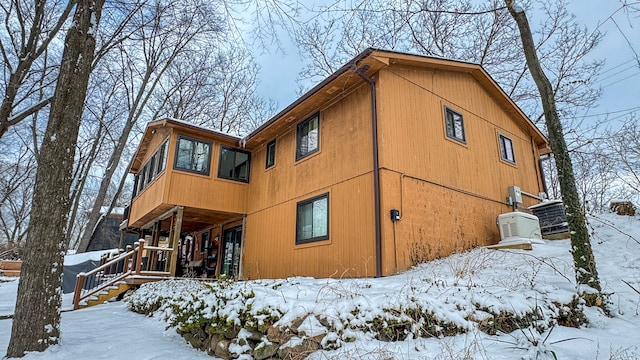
<point x="162" y="156"/>
<point x="175" y="160"/>
<point x="450" y="125"/>
<point x="299" y="153"/>
<point x="236" y="151"/>
<point x="299" y="239"/>
<point x="504" y="155"/>
<point x="270" y="160"/>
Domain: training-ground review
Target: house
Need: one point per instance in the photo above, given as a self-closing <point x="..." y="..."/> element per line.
<point x="392" y="160"/>
<point x="108" y="234"/>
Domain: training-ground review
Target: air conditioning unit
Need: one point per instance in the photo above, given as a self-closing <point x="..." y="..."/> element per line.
<point x="519" y="225"/>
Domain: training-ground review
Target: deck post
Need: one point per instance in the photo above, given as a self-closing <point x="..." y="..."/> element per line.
<point x="77" y="291"/>
<point x="175" y="240"/>
<point x="139" y="257"/>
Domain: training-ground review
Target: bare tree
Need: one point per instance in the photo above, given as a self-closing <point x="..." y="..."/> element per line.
<point x="29" y="30"/>
<point x="16" y="185"/>
<point x="625" y="147"/>
<point x="166" y="33"/>
<point x="217" y="89"/>
<point x="36" y="323"/>
<point x="478" y="32"/>
<point x="584" y="261"/>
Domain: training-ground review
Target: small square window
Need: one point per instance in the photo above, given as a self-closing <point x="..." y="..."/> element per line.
<point x="271" y="154"/>
<point x="506" y="149"/>
<point x="193" y="155"/>
<point x="455" y="125"/>
<point x="308" y="136"/>
<point x="312" y="219"/>
<point x="234" y="164"/>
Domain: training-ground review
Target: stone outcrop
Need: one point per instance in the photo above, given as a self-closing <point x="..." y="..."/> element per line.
<point x="296" y="341"/>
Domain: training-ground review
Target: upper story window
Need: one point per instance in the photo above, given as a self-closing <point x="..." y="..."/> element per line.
<point x="151" y="169"/>
<point x="308" y="136"/>
<point x="312" y="219"/>
<point x="271" y="154"/>
<point x="193" y="155"/>
<point x="234" y="164"/>
<point x="455" y="125"/>
<point x="506" y="149"/>
<point x="162" y="156"/>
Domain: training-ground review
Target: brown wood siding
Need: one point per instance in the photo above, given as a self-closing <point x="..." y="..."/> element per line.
<point x="202" y="191"/>
<point x="455" y="190"/>
<point x="149" y="199"/>
<point x="435" y="221"/>
<point x="343" y="167"/>
<point x="175" y="187"/>
<point x="414" y="141"/>
<point x="270" y="250"/>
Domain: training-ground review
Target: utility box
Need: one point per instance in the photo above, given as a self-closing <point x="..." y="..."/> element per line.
<point x="553" y="220"/>
<point x="519" y="225"/>
<point x="515" y="194"/>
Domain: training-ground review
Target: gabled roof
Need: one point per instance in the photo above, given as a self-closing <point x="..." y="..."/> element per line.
<point x="371" y="61"/>
<point x="153" y="126"/>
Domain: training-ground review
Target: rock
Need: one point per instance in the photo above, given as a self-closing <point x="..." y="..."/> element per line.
<point x="222" y="349"/>
<point x="253" y="335"/>
<point x="232" y="333"/>
<point x="213" y="341"/>
<point x="278" y="335"/>
<point x="295" y="324"/>
<point x="317" y="338"/>
<point x="298" y="351"/>
<point x="265" y="350"/>
<point x="196" y="342"/>
<point x="324" y="322"/>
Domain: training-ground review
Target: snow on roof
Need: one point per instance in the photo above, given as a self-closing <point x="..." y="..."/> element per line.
<point x="201" y="127"/>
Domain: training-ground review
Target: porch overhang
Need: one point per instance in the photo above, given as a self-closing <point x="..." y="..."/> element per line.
<point x="193" y="219"/>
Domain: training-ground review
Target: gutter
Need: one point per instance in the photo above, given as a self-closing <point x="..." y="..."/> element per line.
<point x="376" y="167"/>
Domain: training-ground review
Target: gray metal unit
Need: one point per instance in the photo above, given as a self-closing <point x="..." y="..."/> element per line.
<point x="552" y="218"/>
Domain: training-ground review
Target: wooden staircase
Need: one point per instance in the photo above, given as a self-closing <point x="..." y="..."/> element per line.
<point x="106" y="295"/>
<point x="120" y="273"/>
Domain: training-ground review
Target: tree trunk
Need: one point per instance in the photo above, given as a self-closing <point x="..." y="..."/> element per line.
<point x="36" y="323"/>
<point x="584" y="261"/>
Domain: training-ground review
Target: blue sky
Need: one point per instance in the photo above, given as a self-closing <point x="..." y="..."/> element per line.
<point x="620" y="80"/>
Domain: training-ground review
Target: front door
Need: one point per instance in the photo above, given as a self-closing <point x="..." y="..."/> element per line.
<point x="231" y="252"/>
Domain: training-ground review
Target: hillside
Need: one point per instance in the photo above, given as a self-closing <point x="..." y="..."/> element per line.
<point x="482" y="304"/>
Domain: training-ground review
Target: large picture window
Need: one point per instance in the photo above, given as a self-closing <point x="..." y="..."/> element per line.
<point x="455" y="125"/>
<point x="312" y="219"/>
<point x="234" y="164"/>
<point x="193" y="155"/>
<point x="308" y="136"/>
<point x="506" y="149"/>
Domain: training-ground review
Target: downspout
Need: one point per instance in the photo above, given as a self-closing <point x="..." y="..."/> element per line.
<point x="376" y="168"/>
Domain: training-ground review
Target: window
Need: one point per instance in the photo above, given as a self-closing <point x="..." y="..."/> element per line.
<point x="162" y="156"/>
<point x="271" y="154"/>
<point x="193" y="155"/>
<point x="234" y="164"/>
<point x="455" y="125"/>
<point x="134" y="191"/>
<point x="506" y="149"/>
<point x="312" y="219"/>
<point x="151" y="170"/>
<point x="141" y="176"/>
<point x="308" y="136"/>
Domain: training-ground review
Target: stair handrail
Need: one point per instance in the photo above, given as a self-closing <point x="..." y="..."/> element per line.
<point x="131" y="261"/>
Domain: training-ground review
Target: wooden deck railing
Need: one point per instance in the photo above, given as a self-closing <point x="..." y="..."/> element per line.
<point x="127" y="263"/>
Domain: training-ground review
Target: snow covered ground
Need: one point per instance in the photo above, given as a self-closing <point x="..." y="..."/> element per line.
<point x="452" y="288"/>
